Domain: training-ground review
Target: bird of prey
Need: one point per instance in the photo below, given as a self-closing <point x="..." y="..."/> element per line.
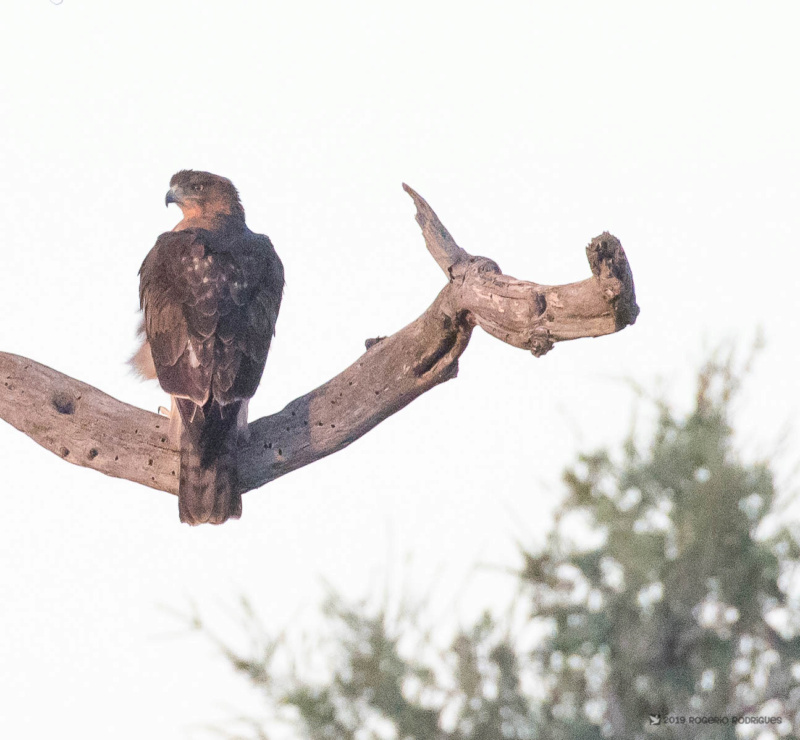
<point x="210" y="290"/>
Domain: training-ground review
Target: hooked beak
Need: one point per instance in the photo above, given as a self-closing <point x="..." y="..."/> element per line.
<point x="170" y="197"/>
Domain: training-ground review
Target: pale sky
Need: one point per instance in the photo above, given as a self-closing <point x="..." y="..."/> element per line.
<point x="529" y="127"/>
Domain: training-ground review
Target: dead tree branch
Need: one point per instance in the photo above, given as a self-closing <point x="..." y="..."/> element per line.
<point x="87" y="427"/>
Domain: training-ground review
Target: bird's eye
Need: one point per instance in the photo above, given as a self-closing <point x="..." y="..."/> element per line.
<point x="197" y="188"/>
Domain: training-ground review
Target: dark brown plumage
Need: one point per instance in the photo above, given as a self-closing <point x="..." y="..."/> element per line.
<point x="211" y="291"/>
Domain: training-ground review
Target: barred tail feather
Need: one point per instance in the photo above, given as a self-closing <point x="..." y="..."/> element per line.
<point x="208" y="494"/>
<point x="208" y="490"/>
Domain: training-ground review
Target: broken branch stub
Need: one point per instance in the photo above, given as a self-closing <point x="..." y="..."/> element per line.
<point x="89" y="428"/>
<point x="525" y="314"/>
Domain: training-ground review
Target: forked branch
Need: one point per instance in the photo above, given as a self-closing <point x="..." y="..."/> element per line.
<point x="89" y="428"/>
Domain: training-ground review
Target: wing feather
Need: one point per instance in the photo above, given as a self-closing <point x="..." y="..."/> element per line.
<point x="211" y="301"/>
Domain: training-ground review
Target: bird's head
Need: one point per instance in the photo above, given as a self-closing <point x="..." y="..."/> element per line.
<point x="202" y="194"/>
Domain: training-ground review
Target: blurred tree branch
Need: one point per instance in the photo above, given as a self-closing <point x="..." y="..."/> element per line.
<point x="89" y="428"/>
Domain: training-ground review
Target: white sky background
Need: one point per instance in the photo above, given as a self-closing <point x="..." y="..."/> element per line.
<point x="530" y="128"/>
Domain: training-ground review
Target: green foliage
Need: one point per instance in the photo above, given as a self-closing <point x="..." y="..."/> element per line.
<point x="663" y="590"/>
<point x="377" y="690"/>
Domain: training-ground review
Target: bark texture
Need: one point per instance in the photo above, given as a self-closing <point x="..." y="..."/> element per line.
<point x="87" y="427"/>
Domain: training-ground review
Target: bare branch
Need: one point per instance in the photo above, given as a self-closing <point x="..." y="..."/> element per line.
<point x="87" y="427"/>
<point x="441" y="245"/>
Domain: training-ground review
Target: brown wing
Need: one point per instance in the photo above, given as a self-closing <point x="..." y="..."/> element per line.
<point x="211" y="302"/>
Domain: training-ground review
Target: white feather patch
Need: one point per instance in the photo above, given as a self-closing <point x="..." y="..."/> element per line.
<point x="194" y="360"/>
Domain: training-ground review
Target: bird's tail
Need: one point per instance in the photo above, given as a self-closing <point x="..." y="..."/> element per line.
<point x="208" y="490"/>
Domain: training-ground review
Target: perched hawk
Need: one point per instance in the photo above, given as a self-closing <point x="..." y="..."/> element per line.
<point x="210" y="290"/>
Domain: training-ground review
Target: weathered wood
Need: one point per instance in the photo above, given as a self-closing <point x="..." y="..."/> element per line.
<point x="441" y="245"/>
<point x="86" y="427"/>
